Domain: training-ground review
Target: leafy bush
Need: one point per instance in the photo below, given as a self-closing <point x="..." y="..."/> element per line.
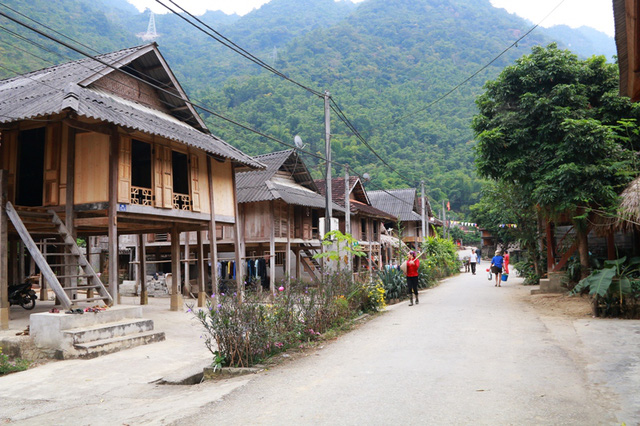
<point x="394" y="283"/>
<point x="7" y="366"/>
<point x="526" y="269"/>
<point x="441" y="257"/>
<point x="615" y="288"/>
<point x="242" y="333"/>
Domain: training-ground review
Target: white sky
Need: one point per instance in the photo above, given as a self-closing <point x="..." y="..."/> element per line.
<point x="597" y="14"/>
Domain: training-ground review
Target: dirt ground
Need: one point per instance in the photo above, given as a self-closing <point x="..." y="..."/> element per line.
<point x="560" y="305"/>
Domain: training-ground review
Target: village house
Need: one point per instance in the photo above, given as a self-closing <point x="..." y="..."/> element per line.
<point x="106" y="146"/>
<point x="366" y="222"/>
<point x="405" y="204"/>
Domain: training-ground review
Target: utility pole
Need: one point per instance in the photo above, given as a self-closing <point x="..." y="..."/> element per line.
<point x="425" y="223"/>
<point x="327" y="142"/>
<point x="444" y="221"/>
<point x="347" y="213"/>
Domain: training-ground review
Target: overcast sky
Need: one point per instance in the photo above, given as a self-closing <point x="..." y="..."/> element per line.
<point x="597" y="14"/>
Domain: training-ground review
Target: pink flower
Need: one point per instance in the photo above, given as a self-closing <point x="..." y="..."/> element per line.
<point x="281" y="288"/>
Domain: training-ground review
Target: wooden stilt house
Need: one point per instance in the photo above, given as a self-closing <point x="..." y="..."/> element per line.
<point x="366" y="221"/>
<point x="105" y="146"/>
<point x="280" y="210"/>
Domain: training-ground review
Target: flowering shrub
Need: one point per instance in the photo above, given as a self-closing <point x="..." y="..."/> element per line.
<point x="7" y="366"/>
<point x="240" y="334"/>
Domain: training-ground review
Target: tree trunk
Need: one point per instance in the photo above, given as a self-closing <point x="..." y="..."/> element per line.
<point x="583" y="249"/>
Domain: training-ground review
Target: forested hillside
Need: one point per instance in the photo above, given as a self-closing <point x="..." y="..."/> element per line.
<point x="385" y="62"/>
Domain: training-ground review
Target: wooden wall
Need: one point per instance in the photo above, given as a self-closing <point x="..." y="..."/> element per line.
<point x="257" y="221"/>
<point x="224" y="200"/>
<point x="91" y="183"/>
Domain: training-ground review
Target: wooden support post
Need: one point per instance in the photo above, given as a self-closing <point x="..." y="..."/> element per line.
<point x="13" y="255"/>
<point x="4" y="255"/>
<point x="202" y="296"/>
<point x="550" y="244"/>
<point x="213" y="240"/>
<point x="89" y="242"/>
<point x="238" y="241"/>
<point x="186" y="287"/>
<point x="142" y="269"/>
<point x="272" y="251"/>
<point x="176" y="295"/>
<point x="21" y="267"/>
<point x="113" y="218"/>
<point x="298" y="260"/>
<point x="68" y="208"/>
<point x="611" y="246"/>
<point x="287" y="259"/>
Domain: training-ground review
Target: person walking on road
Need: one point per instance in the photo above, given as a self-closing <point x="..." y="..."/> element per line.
<point x="412" y="276"/>
<point x="496" y="267"/>
<point x="473" y="260"/>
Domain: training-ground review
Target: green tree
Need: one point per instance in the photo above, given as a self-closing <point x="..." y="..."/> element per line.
<point x="547" y="126"/>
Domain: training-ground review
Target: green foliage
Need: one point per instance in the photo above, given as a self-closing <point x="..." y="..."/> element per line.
<point x="8" y="366"/>
<point x="242" y="333"/>
<point x="615" y="288"/>
<point x="545" y="127"/>
<point x="344" y="243"/>
<point x="394" y="282"/>
<point x="526" y="269"/>
<point x="440" y="259"/>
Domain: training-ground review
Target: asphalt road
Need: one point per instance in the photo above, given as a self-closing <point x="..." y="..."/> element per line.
<point x="469" y="353"/>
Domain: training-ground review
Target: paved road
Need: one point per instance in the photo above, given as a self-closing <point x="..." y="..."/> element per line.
<point x="469" y="353"/>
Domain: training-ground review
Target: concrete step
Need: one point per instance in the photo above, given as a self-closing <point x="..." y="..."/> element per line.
<point x="107" y="331"/>
<point x="106" y="346"/>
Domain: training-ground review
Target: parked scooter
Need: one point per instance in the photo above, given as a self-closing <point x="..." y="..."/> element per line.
<point x="23" y="295"/>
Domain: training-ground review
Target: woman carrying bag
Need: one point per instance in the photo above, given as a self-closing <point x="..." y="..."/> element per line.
<point x="496" y="267"/>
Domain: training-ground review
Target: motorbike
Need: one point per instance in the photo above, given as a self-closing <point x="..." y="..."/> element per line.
<point x="23" y="295"/>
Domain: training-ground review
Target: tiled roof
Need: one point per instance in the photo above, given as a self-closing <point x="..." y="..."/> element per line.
<point x="69" y="87"/>
<point x="401" y="203"/>
<point x="358" y="207"/>
<point x="261" y="185"/>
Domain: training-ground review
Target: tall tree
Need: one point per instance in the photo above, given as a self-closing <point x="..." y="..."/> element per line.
<point x="548" y="125"/>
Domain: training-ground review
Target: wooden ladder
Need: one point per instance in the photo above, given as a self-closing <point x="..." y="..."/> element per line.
<point x="71" y="256"/>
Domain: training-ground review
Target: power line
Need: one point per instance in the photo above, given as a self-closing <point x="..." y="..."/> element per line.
<point x="231" y="45"/>
<point x="336" y="109"/>
<point x="514" y="44"/>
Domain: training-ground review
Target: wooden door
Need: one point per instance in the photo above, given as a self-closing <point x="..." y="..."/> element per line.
<point x="52" y="145"/>
<point x="195" y="182"/>
<point x="124" y="171"/>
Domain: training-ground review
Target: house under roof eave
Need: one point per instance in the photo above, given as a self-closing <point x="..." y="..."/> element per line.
<point x="89" y="88"/>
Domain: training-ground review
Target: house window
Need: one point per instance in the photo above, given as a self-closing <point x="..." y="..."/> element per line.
<point x="363" y="229"/>
<point x="180" y="165"/>
<point x="141" y="192"/>
<point x="30" y="173"/>
<point x="376" y="230"/>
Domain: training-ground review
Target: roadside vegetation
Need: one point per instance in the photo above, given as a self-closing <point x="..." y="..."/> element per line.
<point x="244" y="331"/>
<point x="11" y="366"/>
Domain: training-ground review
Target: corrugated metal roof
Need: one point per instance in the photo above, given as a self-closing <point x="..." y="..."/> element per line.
<point x="398" y="202"/>
<point x="261" y="185"/>
<point x="59" y="88"/>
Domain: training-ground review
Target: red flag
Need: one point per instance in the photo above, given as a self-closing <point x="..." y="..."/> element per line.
<point x="448" y="206"/>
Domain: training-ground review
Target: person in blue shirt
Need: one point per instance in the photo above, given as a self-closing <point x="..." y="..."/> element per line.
<point x="496" y="267"/>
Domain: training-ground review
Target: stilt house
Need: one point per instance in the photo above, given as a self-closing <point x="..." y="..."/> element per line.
<point x="366" y="221"/>
<point x="105" y="146"/>
<point x="280" y="209"/>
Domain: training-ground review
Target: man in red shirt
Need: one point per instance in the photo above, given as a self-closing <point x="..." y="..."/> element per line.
<point x="412" y="276"/>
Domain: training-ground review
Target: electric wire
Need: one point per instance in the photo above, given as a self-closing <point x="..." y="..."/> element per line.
<point x="514" y="44"/>
<point x="229" y="44"/>
<point x="336" y="109"/>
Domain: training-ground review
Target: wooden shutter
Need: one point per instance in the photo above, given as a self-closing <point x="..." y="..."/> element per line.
<point x="52" y="165"/>
<point x="124" y="171"/>
<point x="158" y="152"/>
<point x="306" y="227"/>
<point x="167" y="179"/>
<point x="195" y="183"/>
<point x="8" y="155"/>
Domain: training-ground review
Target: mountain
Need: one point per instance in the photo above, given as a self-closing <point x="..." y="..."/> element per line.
<point x="388" y="65"/>
<point x="585" y="41"/>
